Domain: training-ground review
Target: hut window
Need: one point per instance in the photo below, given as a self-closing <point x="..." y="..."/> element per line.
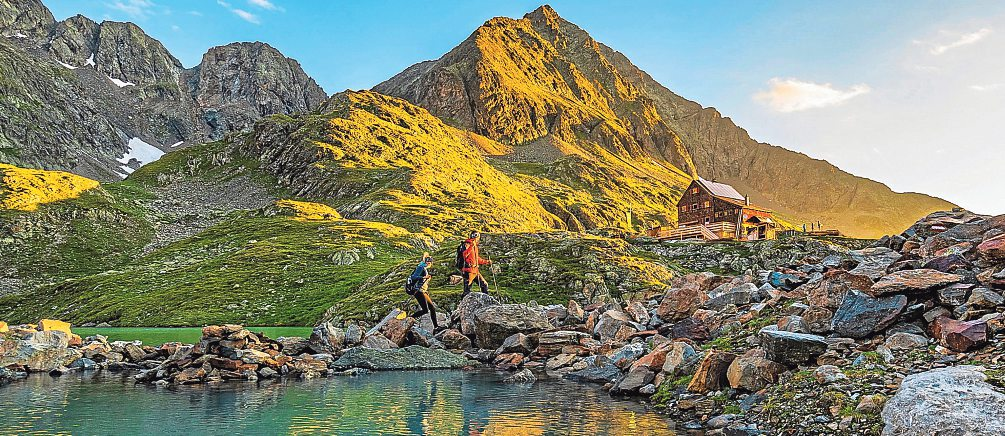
<point x="707" y="203"/>
<point x="694" y="206"/>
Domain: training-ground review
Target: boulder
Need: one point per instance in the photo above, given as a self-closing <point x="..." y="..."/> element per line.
<point x="793" y="323"/>
<point x="753" y="371"/>
<point x="495" y="323"/>
<point x="600" y="372"/>
<point x="873" y="262"/>
<point x="425" y="338"/>
<point x="948" y="263"/>
<point x="870" y="404"/>
<point x="469" y="305"/>
<point x="680" y="303"/>
<point x="327" y="337"/>
<point x="426" y="321"/>
<point x="353" y="334"/>
<point x="861" y="315"/>
<point x="396" y="329"/>
<point x="517" y="343"/>
<point x="295" y="345"/>
<point x="559" y="361"/>
<point x="412" y="357"/>
<point x="993" y="249"/>
<point x="638" y="312"/>
<point x="953" y="295"/>
<point x="627" y="355"/>
<point x="552" y="343"/>
<point x="689" y="328"/>
<point x="377" y="342"/>
<point x="829" y="291"/>
<point x="634" y="379"/>
<point x="818" y="319"/>
<point x="738" y="296"/>
<point x="914" y="280"/>
<point x="792" y="348"/>
<point x="945" y="401"/>
<point x="905" y="341"/>
<point x="711" y="373"/>
<point x="984" y="298"/>
<point x="960" y="336"/>
<point x="455" y="340"/>
<point x="609" y="323"/>
<point x="680" y="356"/>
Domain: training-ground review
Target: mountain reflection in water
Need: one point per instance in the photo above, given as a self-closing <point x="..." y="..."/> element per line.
<point x="429" y="402"/>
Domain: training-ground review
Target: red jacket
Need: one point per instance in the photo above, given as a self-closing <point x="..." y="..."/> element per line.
<point x="472" y="258"/>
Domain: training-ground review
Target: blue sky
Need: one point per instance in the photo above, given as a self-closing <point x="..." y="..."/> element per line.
<point x="910" y="93"/>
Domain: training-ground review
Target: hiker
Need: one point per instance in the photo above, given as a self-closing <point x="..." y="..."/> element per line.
<point x="417" y="285"/>
<point x="468" y="262"/>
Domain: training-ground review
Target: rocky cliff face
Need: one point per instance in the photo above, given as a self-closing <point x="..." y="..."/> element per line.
<point x="27" y="19"/>
<point x="95" y="86"/>
<point x="543" y="77"/>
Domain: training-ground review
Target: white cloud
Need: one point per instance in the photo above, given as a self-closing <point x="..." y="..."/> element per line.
<point x="791" y="95"/>
<point x="195" y="13"/>
<point x="265" y="4"/>
<point x="988" y="87"/>
<point x="137" y="9"/>
<point x="960" y="40"/>
<point x="246" y="16"/>
<point x="243" y="14"/>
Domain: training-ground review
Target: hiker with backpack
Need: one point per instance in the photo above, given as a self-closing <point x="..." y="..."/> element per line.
<point x="417" y="285"/>
<point x="468" y="260"/>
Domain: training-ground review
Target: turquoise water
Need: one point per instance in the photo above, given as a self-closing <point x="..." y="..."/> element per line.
<point x="189" y="335"/>
<point x="392" y="403"/>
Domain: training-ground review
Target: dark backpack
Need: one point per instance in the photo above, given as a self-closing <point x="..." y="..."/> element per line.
<point x="411" y="285"/>
<point x="459" y="259"/>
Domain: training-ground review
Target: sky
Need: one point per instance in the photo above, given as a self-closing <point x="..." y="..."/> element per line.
<point x="909" y="93"/>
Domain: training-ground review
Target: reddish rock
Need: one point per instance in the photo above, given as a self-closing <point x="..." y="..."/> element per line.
<point x="960" y="336"/>
<point x="190" y="376"/>
<point x="553" y="343"/>
<point x="818" y="319"/>
<point x="993" y="249"/>
<point x="711" y="372"/>
<point x="656" y="358"/>
<point x="753" y="371"/>
<point x="680" y="303"/>
<point x="913" y="280"/>
<point x="453" y="339"/>
<point x="830" y="290"/>
<point x="688" y="328"/>
<point x="396" y="330"/>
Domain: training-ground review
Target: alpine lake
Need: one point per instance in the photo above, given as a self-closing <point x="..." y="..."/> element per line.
<point x="448" y="402"/>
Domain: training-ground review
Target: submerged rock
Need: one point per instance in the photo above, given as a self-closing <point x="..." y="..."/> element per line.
<point x="524" y="376"/>
<point x="412" y="357"/>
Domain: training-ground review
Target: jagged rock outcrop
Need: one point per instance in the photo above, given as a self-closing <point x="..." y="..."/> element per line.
<point x="89" y="88"/>
<point x="24" y="19"/>
<point x="542" y="78"/>
<point x="237" y="83"/>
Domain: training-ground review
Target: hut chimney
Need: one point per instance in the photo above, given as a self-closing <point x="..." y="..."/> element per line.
<point x="746" y="200"/>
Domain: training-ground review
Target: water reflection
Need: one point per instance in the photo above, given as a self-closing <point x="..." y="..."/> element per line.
<point x="432" y="402"/>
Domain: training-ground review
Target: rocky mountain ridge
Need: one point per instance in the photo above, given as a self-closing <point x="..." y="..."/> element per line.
<point x="544" y="79"/>
<point x="110" y="82"/>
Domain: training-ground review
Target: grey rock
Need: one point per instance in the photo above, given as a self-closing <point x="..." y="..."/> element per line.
<point x="861" y="315"/>
<point x="524" y="376"/>
<point x="469" y="305"/>
<point x="792" y="348"/>
<point x="596" y="374"/>
<point x="493" y="324"/>
<point x="955" y="400"/>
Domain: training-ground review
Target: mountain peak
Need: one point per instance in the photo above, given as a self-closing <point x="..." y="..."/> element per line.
<point x="544" y="11"/>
